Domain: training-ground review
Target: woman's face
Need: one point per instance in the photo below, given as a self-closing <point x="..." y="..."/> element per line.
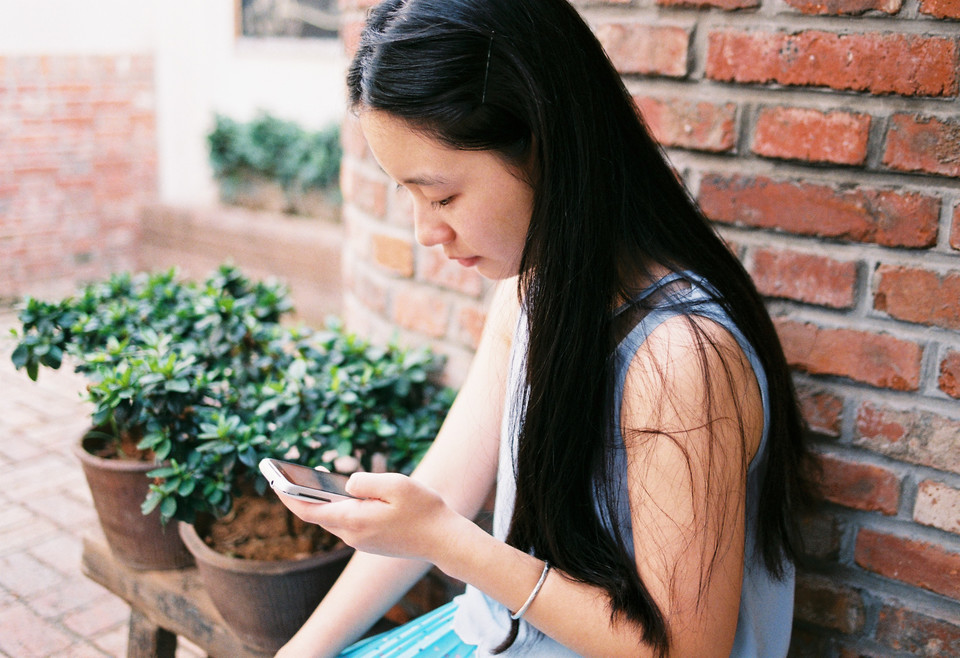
<point x="472" y="203"/>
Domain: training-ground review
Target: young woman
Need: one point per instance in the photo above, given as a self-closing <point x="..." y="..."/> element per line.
<point x="629" y="398"/>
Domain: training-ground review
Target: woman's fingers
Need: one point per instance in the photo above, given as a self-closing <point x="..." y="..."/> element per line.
<point x="378" y="486"/>
<point x="394" y="515"/>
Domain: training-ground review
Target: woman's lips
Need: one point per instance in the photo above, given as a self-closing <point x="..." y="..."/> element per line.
<point x="468" y="262"/>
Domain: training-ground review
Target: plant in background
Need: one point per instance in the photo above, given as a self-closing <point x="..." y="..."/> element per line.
<point x="296" y="159"/>
<point x="204" y="379"/>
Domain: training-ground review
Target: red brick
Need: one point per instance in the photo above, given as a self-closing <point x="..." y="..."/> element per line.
<point x="27" y="634"/>
<point x="393" y="254"/>
<point x="858" y="649"/>
<point x="690" y="124"/>
<point x="938" y="505"/>
<point x="728" y="5"/>
<point x="89" y="171"/>
<point x="911" y="561"/>
<point x="918" y="295"/>
<point x="822" y="410"/>
<point x="421" y="310"/>
<point x="858" y="486"/>
<point x="924" y="144"/>
<point x="368" y="289"/>
<point x="805" y="134"/>
<point x="913" y="65"/>
<point x="822" y="534"/>
<point x="434" y="267"/>
<point x="845" y="7"/>
<point x="877" y="359"/>
<point x="809" y="642"/>
<point x="940" y="8"/>
<point x="804" y="277"/>
<point x="645" y="49"/>
<point x="821" y="601"/>
<point x="949" y="380"/>
<point x="891" y="218"/>
<point x="352" y="139"/>
<point x="364" y="192"/>
<point x="916" y="437"/>
<point x="902" y="628"/>
<point x="955" y="230"/>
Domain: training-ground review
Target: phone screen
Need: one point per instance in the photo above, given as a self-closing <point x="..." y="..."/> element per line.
<point x="313" y="479"/>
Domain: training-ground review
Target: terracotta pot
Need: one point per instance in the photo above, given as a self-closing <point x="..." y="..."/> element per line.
<point x="263" y="602"/>
<point x="118" y="487"/>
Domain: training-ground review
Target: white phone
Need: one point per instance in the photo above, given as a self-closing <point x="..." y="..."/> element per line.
<point x="305" y="483"/>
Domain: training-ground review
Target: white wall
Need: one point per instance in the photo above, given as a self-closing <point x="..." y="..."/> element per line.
<point x="201" y="68"/>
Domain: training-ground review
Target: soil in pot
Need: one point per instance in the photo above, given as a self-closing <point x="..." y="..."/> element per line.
<point x="261" y="528"/>
<point x="264" y="601"/>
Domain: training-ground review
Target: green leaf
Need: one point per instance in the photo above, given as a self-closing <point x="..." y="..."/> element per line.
<point x="162" y="451"/>
<point x="177" y="385"/>
<point x="186" y="487"/>
<point x="165" y="472"/>
<point x="33" y="368"/>
<point x="53" y="357"/>
<point x="20" y="356"/>
<point x="150" y="503"/>
<point x="168" y="508"/>
<point x="386" y="429"/>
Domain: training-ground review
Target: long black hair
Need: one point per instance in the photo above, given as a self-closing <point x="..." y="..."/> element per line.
<point x="528" y="79"/>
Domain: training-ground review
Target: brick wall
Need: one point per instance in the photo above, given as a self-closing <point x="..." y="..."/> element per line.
<point x="823" y="138"/>
<point x="77" y="161"/>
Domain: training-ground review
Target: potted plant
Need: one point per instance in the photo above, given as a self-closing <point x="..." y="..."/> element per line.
<point x="198" y="382"/>
<point x="272" y="164"/>
<point x="337" y="401"/>
<point x="111" y="331"/>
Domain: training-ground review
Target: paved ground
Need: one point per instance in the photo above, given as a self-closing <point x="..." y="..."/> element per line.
<point x="47" y="606"/>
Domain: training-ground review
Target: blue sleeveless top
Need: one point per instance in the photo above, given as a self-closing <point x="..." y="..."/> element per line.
<point x="766" y="604"/>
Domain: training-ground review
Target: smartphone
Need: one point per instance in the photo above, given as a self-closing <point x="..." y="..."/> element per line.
<point x="304" y="483"/>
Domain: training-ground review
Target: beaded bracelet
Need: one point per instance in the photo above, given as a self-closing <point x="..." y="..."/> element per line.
<point x="533" y="594"/>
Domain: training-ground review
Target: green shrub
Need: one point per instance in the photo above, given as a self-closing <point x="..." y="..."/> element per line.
<point x="205" y="379"/>
<point x="276" y="149"/>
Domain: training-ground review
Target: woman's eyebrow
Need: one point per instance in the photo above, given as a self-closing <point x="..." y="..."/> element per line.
<point x="424" y="180"/>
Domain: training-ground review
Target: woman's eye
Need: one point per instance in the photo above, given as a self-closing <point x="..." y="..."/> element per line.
<point x="442" y="203"/>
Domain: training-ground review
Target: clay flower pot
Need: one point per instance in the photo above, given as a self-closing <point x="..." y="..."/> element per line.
<point x="264" y="602"/>
<point x="118" y="487"/>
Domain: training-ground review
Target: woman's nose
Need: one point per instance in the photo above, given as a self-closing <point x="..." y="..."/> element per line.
<point x="430" y="229"/>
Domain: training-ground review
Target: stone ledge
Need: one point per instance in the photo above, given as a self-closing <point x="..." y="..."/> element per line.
<point x="305" y="253"/>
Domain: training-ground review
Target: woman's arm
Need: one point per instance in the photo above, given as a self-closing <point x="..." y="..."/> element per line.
<point x="696" y="587"/>
<point x="460" y="465"/>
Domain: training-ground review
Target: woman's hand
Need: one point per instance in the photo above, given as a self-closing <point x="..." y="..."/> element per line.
<point x="396" y="516"/>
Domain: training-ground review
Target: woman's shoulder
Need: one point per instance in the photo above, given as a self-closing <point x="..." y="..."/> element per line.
<point x="700" y="371"/>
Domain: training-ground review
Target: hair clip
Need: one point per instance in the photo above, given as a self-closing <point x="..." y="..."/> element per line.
<point x="486" y="72"/>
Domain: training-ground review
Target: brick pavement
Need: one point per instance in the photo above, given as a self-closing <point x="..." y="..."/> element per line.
<point x="47" y="606"/>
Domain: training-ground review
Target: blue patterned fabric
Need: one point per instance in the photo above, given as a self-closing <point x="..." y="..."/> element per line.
<point x="429" y="635"/>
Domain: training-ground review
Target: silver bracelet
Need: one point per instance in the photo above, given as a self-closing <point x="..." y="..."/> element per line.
<point x="533" y="594"/>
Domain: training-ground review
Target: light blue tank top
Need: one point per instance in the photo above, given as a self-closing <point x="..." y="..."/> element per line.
<point x="766" y="604"/>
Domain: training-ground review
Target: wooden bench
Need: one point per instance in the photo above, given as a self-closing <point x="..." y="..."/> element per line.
<point x="165" y="605"/>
